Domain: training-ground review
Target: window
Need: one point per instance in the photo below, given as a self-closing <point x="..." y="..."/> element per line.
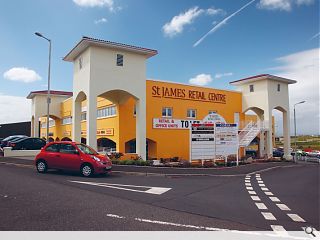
<point x="191" y="113"/>
<point x="166" y="112"/>
<point x="66" y="120"/>
<point x="251" y="88"/>
<point x="83" y="116"/>
<point x="53" y="148"/>
<point x="119" y="60"/>
<point x="68" y="149"/>
<point x="51" y="124"/>
<point x="278" y="88"/>
<point x="212" y="112"/>
<point x="106" y="112"/>
<point x="80" y="62"/>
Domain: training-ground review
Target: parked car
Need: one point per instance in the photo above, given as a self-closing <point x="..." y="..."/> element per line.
<point x="28" y="144"/>
<point x="5" y="142"/>
<point x="251" y="153"/>
<point x="278" y="153"/>
<point x="314" y="153"/>
<point x="74" y="157"/>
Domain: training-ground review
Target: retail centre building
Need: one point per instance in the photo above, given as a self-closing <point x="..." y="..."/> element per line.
<point x="113" y="106"/>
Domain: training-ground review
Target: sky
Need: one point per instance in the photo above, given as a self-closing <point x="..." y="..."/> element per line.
<point x="207" y="43"/>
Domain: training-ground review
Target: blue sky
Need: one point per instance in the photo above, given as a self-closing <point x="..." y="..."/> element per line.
<point x="268" y="36"/>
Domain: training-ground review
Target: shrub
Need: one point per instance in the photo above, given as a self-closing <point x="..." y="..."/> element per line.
<point x="184" y="163"/>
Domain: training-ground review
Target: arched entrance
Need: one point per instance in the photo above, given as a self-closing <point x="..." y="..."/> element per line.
<point x="51" y="139"/>
<point x="66" y="139"/>
<point x="106" y="145"/>
<point x="83" y="140"/>
<point x="151" y="147"/>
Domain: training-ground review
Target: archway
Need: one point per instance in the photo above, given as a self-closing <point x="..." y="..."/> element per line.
<point x="57" y="139"/>
<point x="66" y="139"/>
<point x="106" y="145"/>
<point x="151" y="147"/>
<point x="83" y="140"/>
<point x="51" y="139"/>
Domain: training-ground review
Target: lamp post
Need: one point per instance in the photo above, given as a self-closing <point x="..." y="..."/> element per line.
<point x="295" y="128"/>
<point x="48" y="93"/>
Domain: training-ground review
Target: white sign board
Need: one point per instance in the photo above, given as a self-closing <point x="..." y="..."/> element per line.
<point x="168" y="123"/>
<point x="226" y="136"/>
<point x="202" y="141"/>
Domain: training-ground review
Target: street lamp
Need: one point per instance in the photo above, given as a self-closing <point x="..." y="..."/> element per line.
<point x="295" y="128"/>
<point x="48" y="93"/>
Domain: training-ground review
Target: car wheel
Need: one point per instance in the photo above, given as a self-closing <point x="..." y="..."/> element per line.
<point x="86" y="170"/>
<point x="42" y="166"/>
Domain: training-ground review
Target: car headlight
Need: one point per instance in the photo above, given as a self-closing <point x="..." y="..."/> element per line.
<point x="96" y="159"/>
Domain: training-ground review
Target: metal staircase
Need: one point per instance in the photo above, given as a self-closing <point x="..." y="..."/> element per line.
<point x="249" y="132"/>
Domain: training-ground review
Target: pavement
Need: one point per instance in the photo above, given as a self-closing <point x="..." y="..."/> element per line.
<point x="227" y="199"/>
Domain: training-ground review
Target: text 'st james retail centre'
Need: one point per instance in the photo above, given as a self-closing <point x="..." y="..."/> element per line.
<point x="114" y="106"/>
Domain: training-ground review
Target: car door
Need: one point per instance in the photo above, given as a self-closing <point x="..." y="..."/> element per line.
<point x="52" y="156"/>
<point x="70" y="157"/>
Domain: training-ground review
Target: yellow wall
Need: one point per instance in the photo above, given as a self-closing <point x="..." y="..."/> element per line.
<point x="162" y="143"/>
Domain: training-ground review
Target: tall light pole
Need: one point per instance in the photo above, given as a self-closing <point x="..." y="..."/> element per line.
<point x="295" y="128"/>
<point x="48" y="93"/>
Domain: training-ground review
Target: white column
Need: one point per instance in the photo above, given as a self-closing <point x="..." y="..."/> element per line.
<point x="76" y="121"/>
<point x="261" y="143"/>
<point x="286" y="135"/>
<point x="141" y="128"/>
<point x="36" y="126"/>
<point x="268" y="122"/>
<point x="32" y="127"/>
<point x="92" y="121"/>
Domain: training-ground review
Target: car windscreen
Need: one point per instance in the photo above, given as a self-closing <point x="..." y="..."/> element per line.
<point x="86" y="149"/>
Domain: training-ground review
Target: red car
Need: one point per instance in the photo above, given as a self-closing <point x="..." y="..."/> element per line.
<point x="72" y="156"/>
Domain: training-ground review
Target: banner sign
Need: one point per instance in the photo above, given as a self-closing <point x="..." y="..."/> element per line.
<point x="202" y="141"/>
<point x="167" y="123"/>
<point x="226" y="139"/>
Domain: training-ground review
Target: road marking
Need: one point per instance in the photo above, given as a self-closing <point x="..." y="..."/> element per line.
<point x="249" y="188"/>
<point x="296" y="217"/>
<point x="115" y="216"/>
<point x="255" y="198"/>
<point x="261" y="206"/>
<point x="279" y="230"/>
<point x="268" y="216"/>
<point x="269" y="193"/>
<point x="260" y="181"/>
<point x="283" y="207"/>
<point x="258" y="175"/>
<point x="148" y="189"/>
<point x="274" y="199"/>
<point x="261" y="185"/>
<point x="264" y="189"/>
<point x="247" y="181"/>
<point x="252" y="192"/>
<point x="258" y="178"/>
<point x="248" y="184"/>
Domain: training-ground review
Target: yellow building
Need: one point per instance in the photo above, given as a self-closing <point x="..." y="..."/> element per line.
<point x="113" y="106"/>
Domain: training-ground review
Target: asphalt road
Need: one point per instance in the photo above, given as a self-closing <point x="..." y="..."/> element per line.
<point x="232" y="199"/>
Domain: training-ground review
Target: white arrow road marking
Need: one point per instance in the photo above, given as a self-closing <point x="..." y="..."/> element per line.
<point x="150" y="190"/>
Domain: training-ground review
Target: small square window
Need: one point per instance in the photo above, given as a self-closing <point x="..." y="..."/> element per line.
<point x="251" y="88"/>
<point x="278" y="88"/>
<point x="119" y="60"/>
<point x="166" y="112"/>
<point x="191" y="113"/>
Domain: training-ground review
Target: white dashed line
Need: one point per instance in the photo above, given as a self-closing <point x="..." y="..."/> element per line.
<point x="255" y="198"/>
<point x="260" y="181"/>
<point x="252" y="192"/>
<point x="261" y="185"/>
<point x="264" y="189"/>
<point x="268" y="216"/>
<point x="115" y="216"/>
<point x="296" y="217"/>
<point x="249" y="188"/>
<point x="283" y="207"/>
<point x="269" y="193"/>
<point x="274" y="199"/>
<point x="247" y="181"/>
<point x="261" y="206"/>
<point x="258" y="175"/>
<point x="248" y="184"/>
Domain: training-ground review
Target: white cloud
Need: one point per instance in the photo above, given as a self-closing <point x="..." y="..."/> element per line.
<point x="285" y="5"/>
<point x="177" y="23"/>
<point x="303" y="67"/>
<point x="14" y="109"/>
<point x="96" y="3"/>
<point x="101" y="20"/>
<point x="214" y="11"/>
<point x="220" y="75"/>
<point x="201" y="79"/>
<point x="21" y="74"/>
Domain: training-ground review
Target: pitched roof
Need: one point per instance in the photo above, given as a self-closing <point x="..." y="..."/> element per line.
<point x="262" y="77"/>
<point x="52" y="92"/>
<point x="85" y="42"/>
